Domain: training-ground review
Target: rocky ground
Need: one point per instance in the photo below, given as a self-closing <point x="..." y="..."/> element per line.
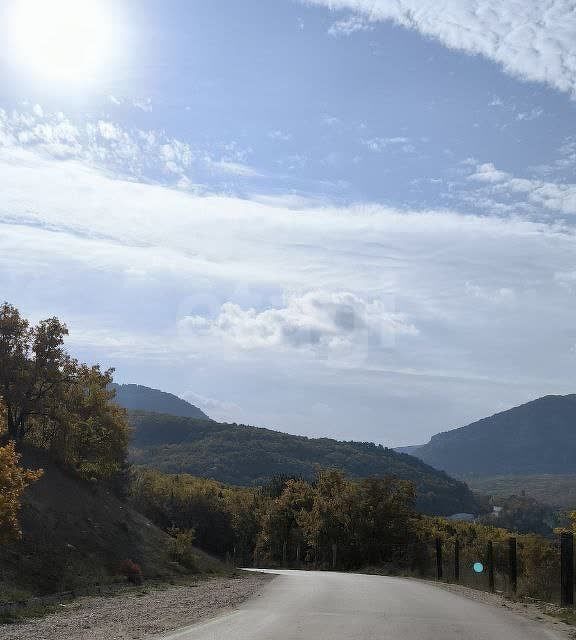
<point x="140" y="614"/>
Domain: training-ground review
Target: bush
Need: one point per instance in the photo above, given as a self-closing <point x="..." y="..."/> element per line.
<point x="180" y="548"/>
<point x="132" y="571"/>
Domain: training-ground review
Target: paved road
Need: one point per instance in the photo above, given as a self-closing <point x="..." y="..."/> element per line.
<point x="317" y="605"/>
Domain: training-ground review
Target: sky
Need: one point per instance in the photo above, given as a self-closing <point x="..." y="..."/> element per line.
<point x="344" y="218"/>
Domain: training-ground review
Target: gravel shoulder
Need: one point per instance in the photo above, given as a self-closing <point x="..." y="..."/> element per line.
<point x="142" y="614"/>
<point x="546" y="614"/>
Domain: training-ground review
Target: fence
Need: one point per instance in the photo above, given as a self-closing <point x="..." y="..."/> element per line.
<point x="527" y="566"/>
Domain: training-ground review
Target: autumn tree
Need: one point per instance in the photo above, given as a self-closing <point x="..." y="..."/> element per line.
<point x="285" y="518"/>
<point x="382" y="517"/>
<point x="13" y="480"/>
<point x="54" y="402"/>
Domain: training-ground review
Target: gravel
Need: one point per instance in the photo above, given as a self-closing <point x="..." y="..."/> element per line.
<point x="141" y="614"/>
<point x="545" y="613"/>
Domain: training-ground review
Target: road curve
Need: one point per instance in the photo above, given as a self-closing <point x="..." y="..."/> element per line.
<point x="314" y="605"/>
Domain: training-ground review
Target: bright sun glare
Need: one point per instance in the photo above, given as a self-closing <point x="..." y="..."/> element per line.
<point x="62" y="39"/>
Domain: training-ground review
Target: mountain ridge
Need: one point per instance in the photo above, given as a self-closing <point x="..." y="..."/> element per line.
<point x="137" y="397"/>
<point x="537" y="437"/>
<point x="246" y="455"/>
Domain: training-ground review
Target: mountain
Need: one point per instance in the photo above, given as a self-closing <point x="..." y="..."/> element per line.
<point x="135" y="397"/>
<point x="411" y="449"/>
<point x="244" y="455"/>
<point x="538" y="437"/>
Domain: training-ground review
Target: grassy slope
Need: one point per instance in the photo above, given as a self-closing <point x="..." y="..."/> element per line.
<point x="243" y="455"/>
<point x="75" y="534"/>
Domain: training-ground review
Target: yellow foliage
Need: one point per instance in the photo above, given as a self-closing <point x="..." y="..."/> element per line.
<point x="13" y="480"/>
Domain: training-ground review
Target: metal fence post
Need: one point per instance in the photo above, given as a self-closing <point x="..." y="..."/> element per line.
<point x="512" y="564"/>
<point x="490" y="563"/>
<point x="457" y="560"/>
<point x="438" y="558"/>
<point x="334" y="555"/>
<point x="567" y="568"/>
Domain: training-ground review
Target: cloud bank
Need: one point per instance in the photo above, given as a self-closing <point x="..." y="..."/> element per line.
<point x="323" y="320"/>
<point x="529" y="39"/>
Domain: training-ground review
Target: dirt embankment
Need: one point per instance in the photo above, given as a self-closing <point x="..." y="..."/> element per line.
<point x="139" y="615"/>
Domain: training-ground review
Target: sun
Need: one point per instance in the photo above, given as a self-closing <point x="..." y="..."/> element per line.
<point x="62" y="39"/>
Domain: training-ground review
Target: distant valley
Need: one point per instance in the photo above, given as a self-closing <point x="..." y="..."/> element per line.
<point x="529" y="448"/>
<point x="170" y="437"/>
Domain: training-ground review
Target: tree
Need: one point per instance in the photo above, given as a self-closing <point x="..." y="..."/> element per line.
<point x="280" y="522"/>
<point x="383" y="510"/>
<point x="54" y="402"/>
<point x="33" y="368"/>
<point x="13" y="480"/>
<point x="86" y="429"/>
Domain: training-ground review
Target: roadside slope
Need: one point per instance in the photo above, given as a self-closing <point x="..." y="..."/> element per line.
<point x="77" y="534"/>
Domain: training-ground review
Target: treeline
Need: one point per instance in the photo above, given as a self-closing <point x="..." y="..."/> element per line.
<point x="338" y="522"/>
<point x="330" y="520"/>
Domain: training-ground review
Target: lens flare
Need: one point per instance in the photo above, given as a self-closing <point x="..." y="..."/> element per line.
<point x="62" y="39"/>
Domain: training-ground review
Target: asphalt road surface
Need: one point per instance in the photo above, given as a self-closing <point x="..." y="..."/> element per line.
<point x="316" y="605"/>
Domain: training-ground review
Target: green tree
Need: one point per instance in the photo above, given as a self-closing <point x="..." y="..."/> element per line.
<point x="33" y="368"/>
<point x="54" y="402"/>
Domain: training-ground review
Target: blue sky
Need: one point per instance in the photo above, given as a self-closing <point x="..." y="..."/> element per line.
<point x="351" y="218"/>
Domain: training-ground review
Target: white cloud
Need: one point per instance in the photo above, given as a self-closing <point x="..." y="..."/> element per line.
<point x="331" y="121"/>
<point x="350" y="25"/>
<point x="488" y="173"/>
<point x="552" y="195"/>
<point x="126" y="262"/>
<point x="144" y="104"/>
<point x="137" y="153"/>
<point x="278" y="134"/>
<point x="234" y="168"/>
<point x="530" y="39"/>
<point x="316" y="319"/>
<point x="397" y="142"/>
<point x="501" y="295"/>
<point x="533" y="114"/>
<point x="555" y="196"/>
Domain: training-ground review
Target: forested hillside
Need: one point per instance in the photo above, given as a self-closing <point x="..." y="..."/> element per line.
<point x="244" y="455"/>
<point x="538" y="437"/>
<point x="136" y="397"/>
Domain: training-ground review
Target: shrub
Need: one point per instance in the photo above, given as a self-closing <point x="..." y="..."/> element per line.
<point x="180" y="548"/>
<point x="132" y="571"/>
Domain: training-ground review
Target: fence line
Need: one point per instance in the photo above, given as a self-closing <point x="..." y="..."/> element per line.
<point x="542" y="569"/>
